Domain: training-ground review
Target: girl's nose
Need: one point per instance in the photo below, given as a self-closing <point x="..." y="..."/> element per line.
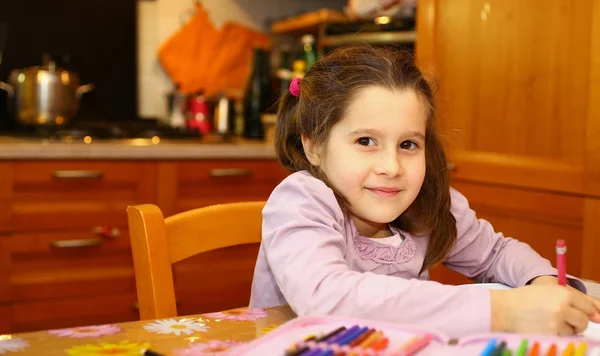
<point x="389" y="165"/>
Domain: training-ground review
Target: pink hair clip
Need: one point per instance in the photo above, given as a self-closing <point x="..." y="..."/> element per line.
<point x="295" y="87"/>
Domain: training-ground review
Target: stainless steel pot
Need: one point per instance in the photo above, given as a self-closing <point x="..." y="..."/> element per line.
<point x="44" y="95"/>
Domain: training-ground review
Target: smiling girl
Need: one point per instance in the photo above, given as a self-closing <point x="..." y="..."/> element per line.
<point x="368" y="211"/>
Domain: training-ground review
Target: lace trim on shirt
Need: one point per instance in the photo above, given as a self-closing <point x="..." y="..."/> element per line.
<point x="384" y="254"/>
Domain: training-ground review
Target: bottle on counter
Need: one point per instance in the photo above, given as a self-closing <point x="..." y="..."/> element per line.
<point x="258" y="95"/>
<point x="284" y="72"/>
<point x="199" y="120"/>
<point x="310" y="54"/>
<point x="299" y="68"/>
<point x="223" y="115"/>
<point x="177" y="107"/>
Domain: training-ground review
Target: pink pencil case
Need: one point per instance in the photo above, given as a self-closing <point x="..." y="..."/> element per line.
<point x="276" y="342"/>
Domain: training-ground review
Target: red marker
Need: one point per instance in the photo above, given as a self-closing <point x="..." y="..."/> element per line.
<point x="561" y="262"/>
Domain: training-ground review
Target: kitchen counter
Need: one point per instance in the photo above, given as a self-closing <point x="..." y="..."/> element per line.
<point x="133" y="149"/>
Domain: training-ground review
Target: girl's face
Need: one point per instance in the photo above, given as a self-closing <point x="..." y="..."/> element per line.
<point x="375" y="156"/>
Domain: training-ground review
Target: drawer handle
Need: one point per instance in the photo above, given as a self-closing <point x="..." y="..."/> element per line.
<point x="77" y="174"/>
<point x="76" y="243"/>
<point x="230" y="172"/>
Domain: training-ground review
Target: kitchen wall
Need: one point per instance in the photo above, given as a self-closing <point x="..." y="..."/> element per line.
<point x="94" y="38"/>
<point x="159" y="19"/>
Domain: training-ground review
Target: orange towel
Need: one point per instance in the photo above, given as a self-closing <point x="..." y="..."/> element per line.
<point x="184" y="56"/>
<point x="232" y="63"/>
<point x="200" y="58"/>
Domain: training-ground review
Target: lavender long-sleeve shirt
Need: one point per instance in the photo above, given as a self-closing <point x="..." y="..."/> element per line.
<point x="312" y="258"/>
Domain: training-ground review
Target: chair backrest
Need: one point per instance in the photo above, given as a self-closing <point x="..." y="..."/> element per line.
<point x="157" y="243"/>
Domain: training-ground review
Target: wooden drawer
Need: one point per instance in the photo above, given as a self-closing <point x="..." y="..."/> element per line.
<point x="72" y="312"/>
<point x="200" y="286"/>
<point x="75" y="194"/>
<point x="535" y="217"/>
<point x="190" y="185"/>
<point x="66" y="264"/>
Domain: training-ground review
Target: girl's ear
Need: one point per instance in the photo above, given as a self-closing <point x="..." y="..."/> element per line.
<point x="311" y="149"/>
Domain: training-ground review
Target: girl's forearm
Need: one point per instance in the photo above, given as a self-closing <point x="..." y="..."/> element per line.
<point x="498" y="311"/>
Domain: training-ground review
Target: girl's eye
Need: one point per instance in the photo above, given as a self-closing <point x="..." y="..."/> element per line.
<point x="365" y="141"/>
<point x="409" y="145"/>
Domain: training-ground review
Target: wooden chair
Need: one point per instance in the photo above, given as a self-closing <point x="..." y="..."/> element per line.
<point x="157" y="243"/>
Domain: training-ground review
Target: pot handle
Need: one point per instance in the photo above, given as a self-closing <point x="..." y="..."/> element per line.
<point x="8" y="88"/>
<point x="83" y="89"/>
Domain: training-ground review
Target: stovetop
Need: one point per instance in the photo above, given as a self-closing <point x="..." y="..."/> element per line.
<point x="103" y="131"/>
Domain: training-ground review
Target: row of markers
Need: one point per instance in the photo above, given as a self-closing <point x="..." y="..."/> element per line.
<point x="354" y="341"/>
<point x="495" y="348"/>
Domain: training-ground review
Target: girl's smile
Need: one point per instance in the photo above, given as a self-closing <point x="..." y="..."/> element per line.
<point x="384" y="192"/>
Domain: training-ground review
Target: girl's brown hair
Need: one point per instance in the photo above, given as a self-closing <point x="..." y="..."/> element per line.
<point x="325" y="93"/>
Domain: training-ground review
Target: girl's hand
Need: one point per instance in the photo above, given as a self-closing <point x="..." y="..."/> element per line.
<point x="543" y="309"/>
<point x="551" y="280"/>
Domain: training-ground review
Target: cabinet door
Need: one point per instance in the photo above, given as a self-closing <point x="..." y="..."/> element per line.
<point x="189" y="185"/>
<point x="514" y="82"/>
<point x="64" y="264"/>
<point x="534" y="217"/>
<point x="58" y="195"/>
<point x="216" y="280"/>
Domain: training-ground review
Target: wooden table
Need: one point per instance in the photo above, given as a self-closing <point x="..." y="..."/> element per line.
<point x="189" y="335"/>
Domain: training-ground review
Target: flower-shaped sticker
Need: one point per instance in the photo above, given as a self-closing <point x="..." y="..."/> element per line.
<point x="124" y="348"/>
<point x="213" y="347"/>
<point x="86" y="331"/>
<point x="11" y="344"/>
<point x="248" y="314"/>
<point x="177" y="327"/>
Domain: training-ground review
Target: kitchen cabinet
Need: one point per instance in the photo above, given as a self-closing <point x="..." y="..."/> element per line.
<point x="187" y="185"/>
<point x="65" y="257"/>
<point x="518" y="102"/>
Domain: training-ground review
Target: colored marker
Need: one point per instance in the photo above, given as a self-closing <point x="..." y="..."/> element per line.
<point x="146" y="352"/>
<point x="333" y="340"/>
<point x="362" y="338"/>
<point x="507" y="352"/>
<point x="346" y="339"/>
<point x="371" y="339"/>
<point x="561" y="261"/>
<point x="522" y="349"/>
<point x="351" y="336"/>
<point x="342" y="335"/>
<point x="380" y="345"/>
<point x="294" y="347"/>
<point x="535" y="349"/>
<point x="500" y="349"/>
<point x="581" y="349"/>
<point x="489" y="348"/>
<point x="569" y="350"/>
<point x="551" y="350"/>
<point x="305" y="351"/>
<point x="413" y="345"/>
<point x="358" y="341"/>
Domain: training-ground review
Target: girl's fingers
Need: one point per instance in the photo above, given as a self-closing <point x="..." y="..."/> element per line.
<point x="566" y="330"/>
<point x="577" y="319"/>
